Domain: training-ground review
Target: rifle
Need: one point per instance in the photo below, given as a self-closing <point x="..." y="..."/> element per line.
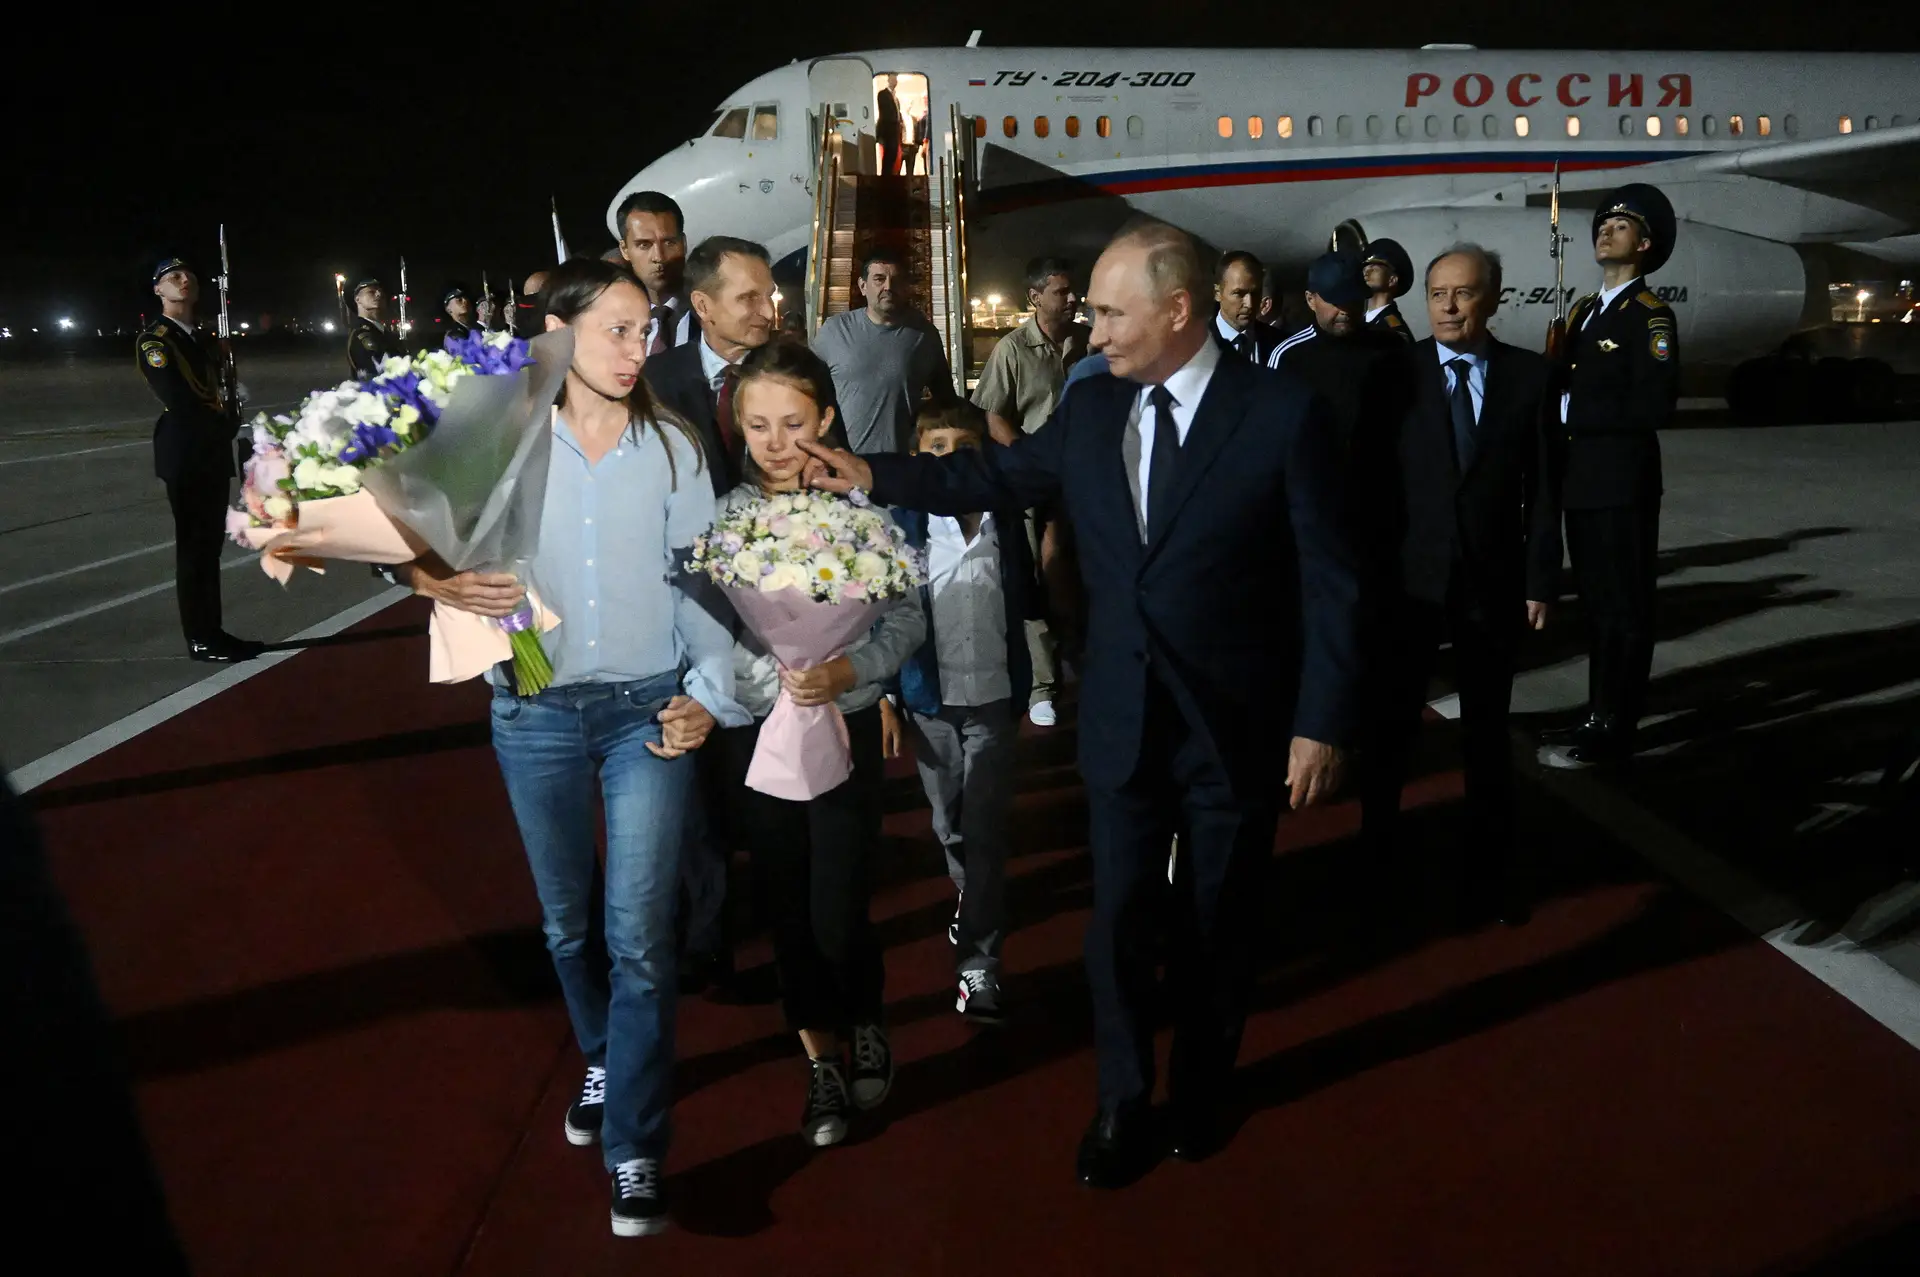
<point x="559" y="240"/>
<point x="486" y="304"/>
<point x="403" y="297"/>
<point x="513" y="309"/>
<point x="1557" y="326"/>
<point x="229" y="368"/>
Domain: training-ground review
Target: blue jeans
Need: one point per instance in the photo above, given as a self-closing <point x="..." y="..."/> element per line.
<point x="620" y="996"/>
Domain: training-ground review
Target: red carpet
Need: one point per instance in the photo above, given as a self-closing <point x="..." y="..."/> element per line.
<point x="307" y="905"/>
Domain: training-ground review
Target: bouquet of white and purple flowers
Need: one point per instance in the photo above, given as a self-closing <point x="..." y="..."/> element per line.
<point x="446" y="450"/>
<point x="808" y="573"/>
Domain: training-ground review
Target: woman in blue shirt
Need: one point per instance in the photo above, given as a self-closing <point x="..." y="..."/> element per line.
<point x="641" y="675"/>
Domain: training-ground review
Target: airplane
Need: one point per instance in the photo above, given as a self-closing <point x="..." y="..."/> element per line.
<point x="1787" y="171"/>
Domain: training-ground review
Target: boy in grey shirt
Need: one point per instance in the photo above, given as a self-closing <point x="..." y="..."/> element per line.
<point x="884" y="358"/>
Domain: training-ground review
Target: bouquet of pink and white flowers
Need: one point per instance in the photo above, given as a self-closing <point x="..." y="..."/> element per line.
<point x="808" y="573"/>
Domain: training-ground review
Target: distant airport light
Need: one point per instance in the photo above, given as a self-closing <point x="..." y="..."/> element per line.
<point x="993" y="299"/>
<point x="66" y="323"/>
<point x="328" y="326"/>
<point x="243" y="328"/>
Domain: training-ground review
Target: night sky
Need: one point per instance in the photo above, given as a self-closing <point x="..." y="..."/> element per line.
<point x="439" y="131"/>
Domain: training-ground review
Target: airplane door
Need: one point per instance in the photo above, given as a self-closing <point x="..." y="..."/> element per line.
<point x="846" y="84"/>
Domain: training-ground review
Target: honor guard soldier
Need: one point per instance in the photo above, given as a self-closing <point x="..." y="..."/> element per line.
<point x="369" y="340"/>
<point x="1622" y="378"/>
<point x="1389" y="275"/>
<point x="193" y="456"/>
<point x="458" y="308"/>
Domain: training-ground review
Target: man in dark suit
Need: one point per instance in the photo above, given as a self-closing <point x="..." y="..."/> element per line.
<point x="1220" y="655"/>
<point x="730" y="285"/>
<point x="1239" y="285"/>
<point x="1479" y="538"/>
<point x="193" y="456"/>
<point x="653" y="239"/>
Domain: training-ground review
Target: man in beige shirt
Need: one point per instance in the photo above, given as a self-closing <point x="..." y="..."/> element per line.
<point x="1017" y="391"/>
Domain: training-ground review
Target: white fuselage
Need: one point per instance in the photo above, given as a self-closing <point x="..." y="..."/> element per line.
<point x="1270" y="150"/>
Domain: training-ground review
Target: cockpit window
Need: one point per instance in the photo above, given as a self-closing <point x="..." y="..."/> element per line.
<point x="710" y="123"/>
<point x="766" y="123"/>
<point x="733" y="123"/>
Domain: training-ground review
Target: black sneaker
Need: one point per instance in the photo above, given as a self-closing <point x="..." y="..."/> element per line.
<point x="824" y="1120"/>
<point x="583" y="1117"/>
<point x="872" y="1066"/>
<point x="979" y="996"/>
<point x="637" y="1207"/>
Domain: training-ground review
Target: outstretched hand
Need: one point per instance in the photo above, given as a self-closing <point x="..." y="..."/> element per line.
<point x="834" y="469"/>
<point x="1313" y="772"/>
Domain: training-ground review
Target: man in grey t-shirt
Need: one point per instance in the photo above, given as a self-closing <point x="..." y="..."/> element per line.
<point x="883" y="358"/>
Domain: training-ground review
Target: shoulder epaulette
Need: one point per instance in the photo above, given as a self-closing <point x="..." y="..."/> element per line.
<point x="1646" y="298"/>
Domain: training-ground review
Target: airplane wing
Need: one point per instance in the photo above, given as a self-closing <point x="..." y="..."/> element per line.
<point x="1875" y="168"/>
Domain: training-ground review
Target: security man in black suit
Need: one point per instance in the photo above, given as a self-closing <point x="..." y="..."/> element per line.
<point x="369" y="340"/>
<point x="1478" y="531"/>
<point x="1622" y="379"/>
<point x="1389" y="274"/>
<point x="458" y="308"/>
<point x="1239" y="287"/>
<point x="193" y="456"/>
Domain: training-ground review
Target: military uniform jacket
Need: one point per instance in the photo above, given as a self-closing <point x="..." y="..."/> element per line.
<point x="456" y="331"/>
<point x="1391" y="320"/>
<point x="368" y="344"/>
<point x="194" y="435"/>
<point x="1622" y="378"/>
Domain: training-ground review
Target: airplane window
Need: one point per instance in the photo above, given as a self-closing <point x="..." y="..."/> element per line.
<point x="1490" y="125"/>
<point x="1433" y="126"/>
<point x="1873" y="122"/>
<point x="1792" y="124"/>
<point x="1374" y="126"/>
<point x="1626" y="126"/>
<point x="1010" y="127"/>
<point x="1520" y="126"/>
<point x="1224" y="126"/>
<point x="1461" y="126"/>
<point x="1680" y="125"/>
<point x="979" y="126"/>
<point x="1104" y="126"/>
<point x="1039" y="126"/>
<point x="1735" y="126"/>
<point x="1256" y="127"/>
<point x="1315" y="125"/>
<point x="766" y="123"/>
<point x="1895" y="122"/>
<point x="1403" y="125"/>
<point x="1073" y="126"/>
<point x="1344" y="126"/>
<point x="1573" y="126"/>
<point x="1283" y="127"/>
<point x="732" y="124"/>
<point x="1846" y="124"/>
<point x="1709" y="125"/>
<point x="1653" y="126"/>
<point x="1136" y="127"/>
<point x="1766" y="125"/>
<point x="710" y="123"/>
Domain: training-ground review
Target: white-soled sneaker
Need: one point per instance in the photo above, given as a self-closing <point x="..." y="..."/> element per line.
<point x="638" y="1209"/>
<point x="824" y="1120"/>
<point x="1041" y="713"/>
<point x="979" y="997"/>
<point x="584" y="1114"/>
<point x="872" y="1066"/>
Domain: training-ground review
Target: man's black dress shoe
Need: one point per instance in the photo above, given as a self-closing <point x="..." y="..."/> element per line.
<point x="1578" y="734"/>
<point x="225" y="650"/>
<point x="1195" y="1131"/>
<point x="1117" y="1148"/>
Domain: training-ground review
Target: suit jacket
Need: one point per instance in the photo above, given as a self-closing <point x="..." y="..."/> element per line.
<point x="1498" y="524"/>
<point x="1622" y="378"/>
<point x="1265" y="339"/>
<point x="1243" y="607"/>
<point x="194" y="435"/>
<point x="680" y="383"/>
<point x="1019" y="588"/>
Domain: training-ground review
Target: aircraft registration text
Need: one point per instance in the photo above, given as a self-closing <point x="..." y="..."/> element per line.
<point x="1098" y="79"/>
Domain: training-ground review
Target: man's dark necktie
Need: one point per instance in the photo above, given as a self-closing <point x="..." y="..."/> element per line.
<point x="1244" y="344"/>
<point x="1163" y="473"/>
<point x="663" y="325"/>
<point x="723" y="411"/>
<point x="1460" y="405"/>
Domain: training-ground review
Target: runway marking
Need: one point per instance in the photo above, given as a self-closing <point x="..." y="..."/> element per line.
<point x="78" y="452"/>
<point x="1854" y="973"/>
<point x="55" y="622"/>
<point x="88" y="567"/>
<point x="93" y="744"/>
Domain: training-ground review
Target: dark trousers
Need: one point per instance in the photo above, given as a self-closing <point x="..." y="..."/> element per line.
<point x="1615" y="555"/>
<point x="811" y="864"/>
<point x="704" y="859"/>
<point x="1485" y="643"/>
<point x="198" y="500"/>
<point x="1226" y="841"/>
